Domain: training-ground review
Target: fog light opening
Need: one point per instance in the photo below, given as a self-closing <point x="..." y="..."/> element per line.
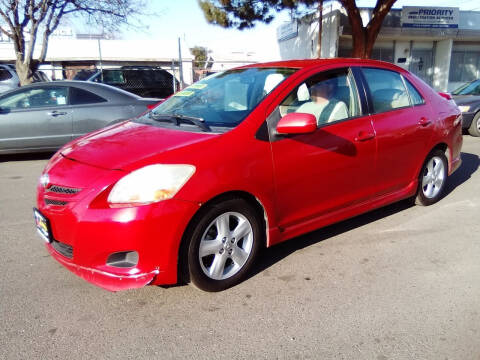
<point x="124" y="259"/>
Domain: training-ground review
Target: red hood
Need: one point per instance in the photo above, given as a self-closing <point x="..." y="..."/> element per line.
<point x="118" y="146"/>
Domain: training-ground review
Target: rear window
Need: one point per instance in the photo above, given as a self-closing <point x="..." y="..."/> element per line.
<point x="5" y="75"/>
<point x="111" y="77"/>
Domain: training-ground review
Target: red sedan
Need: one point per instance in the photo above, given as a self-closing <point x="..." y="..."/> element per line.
<point x="243" y="159"/>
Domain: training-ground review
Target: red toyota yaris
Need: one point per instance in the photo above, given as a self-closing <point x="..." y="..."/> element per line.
<point x="243" y="159"/>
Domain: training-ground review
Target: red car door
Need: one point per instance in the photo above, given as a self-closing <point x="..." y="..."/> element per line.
<point x="402" y="122"/>
<point x="325" y="171"/>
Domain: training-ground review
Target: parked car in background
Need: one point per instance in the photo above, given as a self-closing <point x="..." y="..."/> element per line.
<point x="45" y="116"/>
<point x="467" y="98"/>
<point x="247" y="158"/>
<point x="9" y="79"/>
<point x="144" y="81"/>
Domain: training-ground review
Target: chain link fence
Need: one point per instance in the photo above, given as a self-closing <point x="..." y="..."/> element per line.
<point x="146" y="79"/>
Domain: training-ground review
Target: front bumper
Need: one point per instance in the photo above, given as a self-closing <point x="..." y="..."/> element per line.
<point x="104" y="279"/>
<point x="95" y="230"/>
<point x="467" y="119"/>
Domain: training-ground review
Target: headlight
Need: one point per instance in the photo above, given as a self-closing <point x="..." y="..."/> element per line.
<point x="464" y="108"/>
<point x="150" y="184"/>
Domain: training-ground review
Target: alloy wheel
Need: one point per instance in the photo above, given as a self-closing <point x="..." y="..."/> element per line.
<point x="433" y="177"/>
<point x="225" y="245"/>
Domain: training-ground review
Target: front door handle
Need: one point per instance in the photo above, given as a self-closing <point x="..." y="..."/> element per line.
<point x="424" y="121"/>
<point x="364" y="136"/>
<point x="56" y="113"/>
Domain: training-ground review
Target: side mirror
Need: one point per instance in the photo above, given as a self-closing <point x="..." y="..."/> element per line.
<point x="297" y="123"/>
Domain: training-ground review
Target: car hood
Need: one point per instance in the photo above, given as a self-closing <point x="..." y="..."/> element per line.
<point x="121" y="145"/>
<point x="466" y="99"/>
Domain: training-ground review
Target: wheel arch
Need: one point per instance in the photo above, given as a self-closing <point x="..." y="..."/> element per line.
<point x="446" y="150"/>
<point x="182" y="271"/>
<point x="442" y="146"/>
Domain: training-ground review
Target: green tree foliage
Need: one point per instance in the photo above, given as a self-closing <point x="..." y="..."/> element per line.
<point x="241" y="14"/>
<point x="200" y="56"/>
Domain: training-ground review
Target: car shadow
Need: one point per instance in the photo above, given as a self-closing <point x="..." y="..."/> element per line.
<point x="26" y="157"/>
<point x="274" y="254"/>
<point x="470" y="164"/>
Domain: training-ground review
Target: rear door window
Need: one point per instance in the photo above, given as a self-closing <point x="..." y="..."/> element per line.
<point x="81" y="97"/>
<point x="387" y="90"/>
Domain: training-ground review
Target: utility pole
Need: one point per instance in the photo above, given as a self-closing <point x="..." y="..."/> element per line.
<point x="180" y="63"/>
<point x="100" y="55"/>
<point x="320" y="21"/>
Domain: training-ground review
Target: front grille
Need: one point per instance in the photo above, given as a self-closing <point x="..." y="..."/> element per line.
<point x="63" y="190"/>
<point x="64" y="249"/>
<point x="55" y="202"/>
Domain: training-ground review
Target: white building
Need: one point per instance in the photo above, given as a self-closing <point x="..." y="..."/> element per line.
<point x="441" y="45"/>
<point x="70" y="51"/>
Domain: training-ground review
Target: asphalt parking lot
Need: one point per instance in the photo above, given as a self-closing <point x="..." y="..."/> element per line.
<point x="402" y="282"/>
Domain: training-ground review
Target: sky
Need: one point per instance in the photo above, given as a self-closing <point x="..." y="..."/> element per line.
<point x="184" y="19"/>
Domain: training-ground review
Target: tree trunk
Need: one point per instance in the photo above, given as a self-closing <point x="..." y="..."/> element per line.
<point x="24" y="72"/>
<point x="363" y="42"/>
<point x="359" y="44"/>
<point x="364" y="37"/>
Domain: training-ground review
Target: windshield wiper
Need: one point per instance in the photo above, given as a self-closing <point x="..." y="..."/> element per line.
<point x="178" y="118"/>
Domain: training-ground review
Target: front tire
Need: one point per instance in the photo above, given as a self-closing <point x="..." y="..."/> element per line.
<point x="432" y="179"/>
<point x="223" y="245"/>
<point x="474" y="128"/>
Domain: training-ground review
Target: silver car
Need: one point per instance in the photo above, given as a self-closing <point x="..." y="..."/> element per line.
<point x="45" y="116"/>
<point x="8" y="78"/>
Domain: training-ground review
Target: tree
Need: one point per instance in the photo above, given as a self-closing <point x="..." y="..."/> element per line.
<point x="200" y="54"/>
<point x="243" y="14"/>
<point x="24" y="20"/>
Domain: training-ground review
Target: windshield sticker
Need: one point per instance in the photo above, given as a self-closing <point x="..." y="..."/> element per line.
<point x="184" y="93"/>
<point x="198" y="86"/>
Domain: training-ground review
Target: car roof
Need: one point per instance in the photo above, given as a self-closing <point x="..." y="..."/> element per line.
<point x="311" y="63"/>
<point x="106" y="91"/>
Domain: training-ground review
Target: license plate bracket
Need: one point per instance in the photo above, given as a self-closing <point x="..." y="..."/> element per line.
<point x="43" y="226"/>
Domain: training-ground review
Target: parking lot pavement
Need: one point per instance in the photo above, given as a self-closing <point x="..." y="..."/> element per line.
<point x="402" y="282"/>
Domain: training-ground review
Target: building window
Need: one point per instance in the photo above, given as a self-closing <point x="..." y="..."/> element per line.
<point x="383" y="54"/>
<point x="464" y="66"/>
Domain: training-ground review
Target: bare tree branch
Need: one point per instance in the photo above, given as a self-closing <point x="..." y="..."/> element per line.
<point x="24" y="20"/>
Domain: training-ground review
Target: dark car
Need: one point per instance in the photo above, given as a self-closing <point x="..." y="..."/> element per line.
<point x="467" y="98"/>
<point x="145" y="81"/>
<point x="45" y="116"/>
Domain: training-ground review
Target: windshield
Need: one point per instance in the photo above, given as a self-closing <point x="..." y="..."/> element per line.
<point x="219" y="102"/>
<point x="471" y="88"/>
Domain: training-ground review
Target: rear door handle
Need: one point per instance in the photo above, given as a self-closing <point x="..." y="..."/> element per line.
<point x="56" y="113"/>
<point x="364" y="136"/>
<point x="424" y="121"/>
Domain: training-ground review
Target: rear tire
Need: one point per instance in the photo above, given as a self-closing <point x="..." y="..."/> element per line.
<point x="432" y="179"/>
<point x="474" y="128"/>
<point x="223" y="245"/>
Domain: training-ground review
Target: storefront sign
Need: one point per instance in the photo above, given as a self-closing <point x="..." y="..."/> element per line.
<point x="430" y="17"/>
<point x="287" y="31"/>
